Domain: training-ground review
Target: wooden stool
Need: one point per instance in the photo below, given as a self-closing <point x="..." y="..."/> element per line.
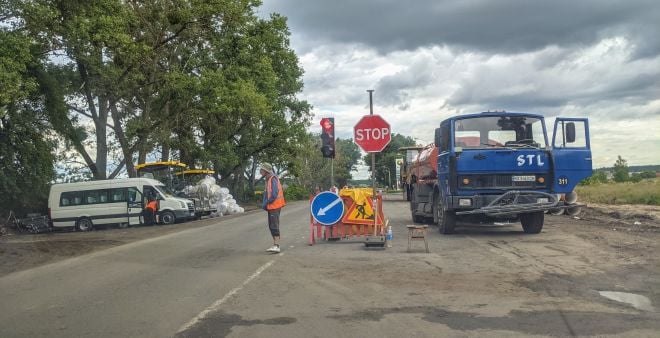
<point x="417" y="233"/>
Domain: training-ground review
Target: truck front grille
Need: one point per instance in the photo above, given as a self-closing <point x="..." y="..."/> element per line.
<point x="499" y="181"/>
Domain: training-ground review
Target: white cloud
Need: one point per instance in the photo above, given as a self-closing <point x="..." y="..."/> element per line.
<point x="597" y="60"/>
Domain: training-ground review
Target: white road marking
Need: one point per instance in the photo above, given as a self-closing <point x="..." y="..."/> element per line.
<point x="216" y="305"/>
<point x="322" y="211"/>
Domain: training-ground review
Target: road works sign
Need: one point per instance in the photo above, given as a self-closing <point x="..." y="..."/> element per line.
<point x="372" y="133"/>
<point x="361" y="212"/>
<point x="327" y="208"/>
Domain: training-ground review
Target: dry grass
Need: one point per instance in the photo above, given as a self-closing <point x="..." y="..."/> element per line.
<point x="645" y="192"/>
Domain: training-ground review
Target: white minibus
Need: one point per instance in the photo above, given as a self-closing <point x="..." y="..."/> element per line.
<point x="119" y="201"/>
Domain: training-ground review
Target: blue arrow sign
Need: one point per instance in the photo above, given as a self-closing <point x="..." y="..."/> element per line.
<point x="327" y="208"/>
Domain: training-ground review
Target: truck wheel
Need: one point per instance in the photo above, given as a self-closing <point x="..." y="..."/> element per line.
<point x="446" y="221"/>
<point x="532" y="222"/>
<point x="416" y="218"/>
<point x="436" y="210"/>
<point x="84" y="224"/>
<point x="167" y="217"/>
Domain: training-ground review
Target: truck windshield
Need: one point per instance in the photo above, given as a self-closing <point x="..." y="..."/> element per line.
<point x="499" y="131"/>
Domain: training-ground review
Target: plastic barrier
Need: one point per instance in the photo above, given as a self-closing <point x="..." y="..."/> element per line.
<point x="357" y="221"/>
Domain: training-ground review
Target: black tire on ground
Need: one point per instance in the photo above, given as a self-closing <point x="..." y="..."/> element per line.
<point x="415" y="218"/>
<point x="167" y="217"/>
<point x="435" y="209"/>
<point x="446" y="220"/>
<point x="532" y="222"/>
<point x="84" y="224"/>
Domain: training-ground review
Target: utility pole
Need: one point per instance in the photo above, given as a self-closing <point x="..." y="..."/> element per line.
<point x="373" y="166"/>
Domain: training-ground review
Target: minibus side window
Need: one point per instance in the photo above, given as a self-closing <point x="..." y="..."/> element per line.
<point x="96" y="196"/>
<point x="71" y="198"/>
<point x="132" y="194"/>
<point x="118" y="195"/>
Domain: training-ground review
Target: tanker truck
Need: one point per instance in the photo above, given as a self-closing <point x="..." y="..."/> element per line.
<point x="410" y="154"/>
<point x="498" y="166"/>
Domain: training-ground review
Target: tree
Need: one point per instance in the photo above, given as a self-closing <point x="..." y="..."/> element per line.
<point x="26" y="159"/>
<point x="385" y="160"/>
<point x="309" y="169"/>
<point x="348" y="154"/>
<point x="208" y="83"/>
<point x="621" y="170"/>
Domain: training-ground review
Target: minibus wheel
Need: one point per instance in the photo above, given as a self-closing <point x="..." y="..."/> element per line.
<point x="85" y="224"/>
<point x="167" y="217"/>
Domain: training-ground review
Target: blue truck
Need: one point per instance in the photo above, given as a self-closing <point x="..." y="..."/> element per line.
<point x="497" y="166"/>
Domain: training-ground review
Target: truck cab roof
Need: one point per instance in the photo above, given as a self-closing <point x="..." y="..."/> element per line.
<point x="490" y="114"/>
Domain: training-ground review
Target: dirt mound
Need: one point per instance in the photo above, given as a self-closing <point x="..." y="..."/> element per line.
<point x="626" y="217"/>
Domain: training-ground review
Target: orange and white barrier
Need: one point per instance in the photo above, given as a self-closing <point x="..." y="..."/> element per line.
<point x="357" y="221"/>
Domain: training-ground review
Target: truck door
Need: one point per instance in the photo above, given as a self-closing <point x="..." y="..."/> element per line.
<point x="134" y="206"/>
<point x="445" y="160"/>
<point x="571" y="152"/>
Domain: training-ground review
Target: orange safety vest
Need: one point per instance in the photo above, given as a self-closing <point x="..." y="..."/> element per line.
<point x="279" y="201"/>
<point x="153" y="205"/>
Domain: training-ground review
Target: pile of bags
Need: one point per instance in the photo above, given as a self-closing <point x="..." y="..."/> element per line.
<point x="213" y="194"/>
<point x="225" y="203"/>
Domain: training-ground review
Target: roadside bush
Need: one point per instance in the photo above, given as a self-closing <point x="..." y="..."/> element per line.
<point x="296" y="192"/>
<point x="258" y="196"/>
<point x="597" y="178"/>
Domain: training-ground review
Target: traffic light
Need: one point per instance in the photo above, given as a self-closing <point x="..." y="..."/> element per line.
<point x="328" y="137"/>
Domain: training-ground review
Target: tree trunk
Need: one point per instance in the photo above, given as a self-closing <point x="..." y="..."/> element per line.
<point x="123" y="142"/>
<point x="253" y="174"/>
<point x="84" y="75"/>
<point x="165" y="149"/>
<point x="101" y="138"/>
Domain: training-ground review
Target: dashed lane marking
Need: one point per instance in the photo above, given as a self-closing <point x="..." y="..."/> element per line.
<point x="216" y="305"/>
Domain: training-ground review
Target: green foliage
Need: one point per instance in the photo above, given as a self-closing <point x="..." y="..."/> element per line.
<point x="207" y="81"/>
<point x="621" y="170"/>
<point x="385" y="160"/>
<point x="598" y="177"/>
<point x="643" y="192"/>
<point x="647" y="174"/>
<point x="310" y="169"/>
<point x="296" y="192"/>
<point x="25" y="152"/>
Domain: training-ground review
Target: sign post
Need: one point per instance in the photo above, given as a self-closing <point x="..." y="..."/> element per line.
<point x="372" y="134"/>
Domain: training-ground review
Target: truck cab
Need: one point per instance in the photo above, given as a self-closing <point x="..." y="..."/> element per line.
<point x="501" y="165"/>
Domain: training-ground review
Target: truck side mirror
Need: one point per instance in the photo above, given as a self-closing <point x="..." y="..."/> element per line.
<point x="570" y="132"/>
<point x="438" y="138"/>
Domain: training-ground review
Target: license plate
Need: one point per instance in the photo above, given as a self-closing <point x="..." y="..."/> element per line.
<point x="523" y="178"/>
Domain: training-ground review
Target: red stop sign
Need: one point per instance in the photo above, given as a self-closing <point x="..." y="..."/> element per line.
<point x="372" y="133"/>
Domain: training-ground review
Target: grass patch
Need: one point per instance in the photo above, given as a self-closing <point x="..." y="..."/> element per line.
<point x="644" y="192"/>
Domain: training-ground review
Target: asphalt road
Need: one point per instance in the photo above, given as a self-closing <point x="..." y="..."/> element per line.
<point x="218" y="281"/>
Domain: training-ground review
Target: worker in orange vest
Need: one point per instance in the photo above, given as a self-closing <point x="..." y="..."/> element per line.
<point x="150" y="211"/>
<point x="273" y="202"/>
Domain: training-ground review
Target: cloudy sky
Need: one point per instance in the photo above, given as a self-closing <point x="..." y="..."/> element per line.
<point x="428" y="60"/>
